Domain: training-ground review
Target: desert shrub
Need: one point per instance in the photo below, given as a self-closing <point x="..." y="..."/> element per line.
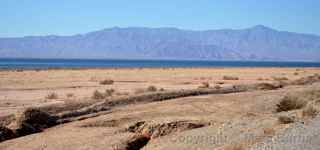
<point x="217" y="87"/>
<point x="219" y="82"/>
<point x="260" y="79"/>
<point x="161" y="89"/>
<point x="152" y="88"/>
<point x="230" y="78"/>
<point x="106" y="82"/>
<point x="280" y="78"/>
<point x="286" y="119"/>
<point x="109" y="92"/>
<point x="70" y="95"/>
<point x="310" y="111"/>
<point x="296" y="73"/>
<point x="98" y="95"/>
<point x="290" y="103"/>
<point x="52" y="95"/>
<point x="139" y="90"/>
<point x="204" y="85"/>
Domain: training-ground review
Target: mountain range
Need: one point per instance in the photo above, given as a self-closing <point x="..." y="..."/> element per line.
<point x="255" y="43"/>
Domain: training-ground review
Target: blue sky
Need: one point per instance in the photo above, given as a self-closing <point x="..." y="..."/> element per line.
<point x="67" y="17"/>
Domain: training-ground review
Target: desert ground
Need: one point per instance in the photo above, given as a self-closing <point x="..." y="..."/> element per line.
<point x="219" y="116"/>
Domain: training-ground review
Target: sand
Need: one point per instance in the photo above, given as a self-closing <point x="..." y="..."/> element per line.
<point x="235" y="114"/>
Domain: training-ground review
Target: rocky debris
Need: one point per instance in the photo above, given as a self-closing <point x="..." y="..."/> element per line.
<point x="146" y="131"/>
<point x="6" y="133"/>
<point x="157" y="129"/>
<point x="297" y="137"/>
<point x="33" y="120"/>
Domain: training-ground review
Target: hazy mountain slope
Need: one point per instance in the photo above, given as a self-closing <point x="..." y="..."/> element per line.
<point x="256" y="43"/>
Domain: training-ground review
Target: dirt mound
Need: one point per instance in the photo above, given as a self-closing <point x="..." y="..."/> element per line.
<point x="307" y="80"/>
<point x="6" y="133"/>
<point x="154" y="129"/>
<point x="33" y="120"/>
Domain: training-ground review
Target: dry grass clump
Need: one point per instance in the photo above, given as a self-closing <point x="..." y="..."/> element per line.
<point x="217" y="87"/>
<point x="98" y="95"/>
<point x="204" y="85"/>
<point x="219" y="82"/>
<point x="106" y="82"/>
<point x="52" y="95"/>
<point x="262" y="79"/>
<point x="286" y="119"/>
<point x="280" y="78"/>
<point x="295" y="73"/>
<point x="69" y="95"/>
<point x="109" y="92"/>
<point x="310" y="111"/>
<point x="152" y="88"/>
<point x="290" y="103"/>
<point x="230" y="78"/>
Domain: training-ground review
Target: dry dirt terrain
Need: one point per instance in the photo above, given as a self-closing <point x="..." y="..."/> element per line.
<point x="161" y="108"/>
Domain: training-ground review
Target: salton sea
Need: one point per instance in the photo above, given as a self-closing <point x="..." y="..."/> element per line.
<point x="10" y="63"/>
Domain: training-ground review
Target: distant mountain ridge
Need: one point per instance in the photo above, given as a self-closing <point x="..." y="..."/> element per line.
<point x="255" y="43"/>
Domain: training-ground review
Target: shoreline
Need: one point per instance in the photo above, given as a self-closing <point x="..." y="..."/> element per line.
<point x="138" y="68"/>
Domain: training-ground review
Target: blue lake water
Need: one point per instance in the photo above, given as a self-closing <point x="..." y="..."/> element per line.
<point x="113" y="63"/>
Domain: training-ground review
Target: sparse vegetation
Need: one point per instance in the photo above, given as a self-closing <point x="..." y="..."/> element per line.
<point x="109" y="92"/>
<point x="280" y="78"/>
<point x="217" y="87"/>
<point x="52" y="95"/>
<point x="310" y="111"/>
<point x="230" y="78"/>
<point x="286" y="119"/>
<point x="98" y="95"/>
<point x="262" y="79"/>
<point x="69" y="95"/>
<point x="139" y="90"/>
<point x="204" y="85"/>
<point x="106" y="82"/>
<point x="219" y="82"/>
<point x="290" y="103"/>
<point x="295" y="73"/>
<point x="152" y="88"/>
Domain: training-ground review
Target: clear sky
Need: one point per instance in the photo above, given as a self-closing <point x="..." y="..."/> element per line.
<point x="67" y="17"/>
